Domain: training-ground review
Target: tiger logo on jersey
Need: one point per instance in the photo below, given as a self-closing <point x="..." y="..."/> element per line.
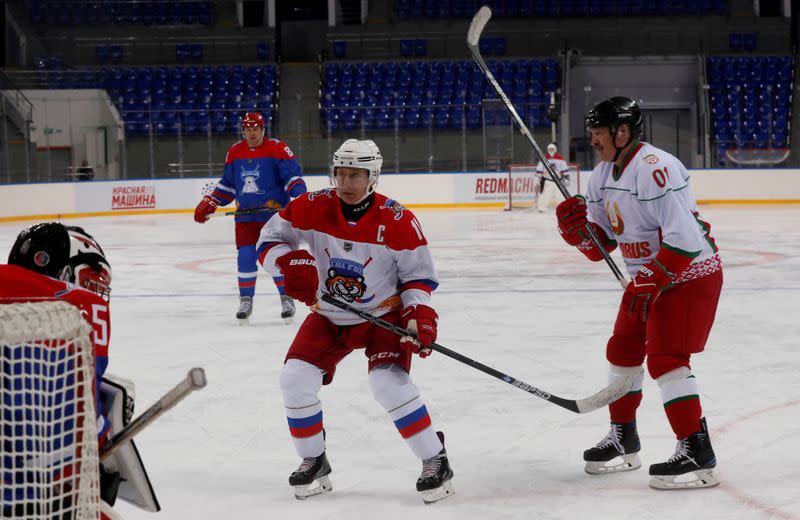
<point x="346" y="281"/>
<point x="615" y="219"/>
<point x="396" y="207"/>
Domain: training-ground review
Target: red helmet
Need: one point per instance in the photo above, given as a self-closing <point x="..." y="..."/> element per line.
<point x="252" y="119"/>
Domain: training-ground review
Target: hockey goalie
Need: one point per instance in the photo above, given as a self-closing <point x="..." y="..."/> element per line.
<point x="57" y="407"/>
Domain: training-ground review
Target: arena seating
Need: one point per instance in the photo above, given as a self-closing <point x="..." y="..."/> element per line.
<point x="114" y="12"/>
<point x="414" y="9"/>
<point x="421" y="94"/>
<point x="164" y="97"/>
<point x="750" y="98"/>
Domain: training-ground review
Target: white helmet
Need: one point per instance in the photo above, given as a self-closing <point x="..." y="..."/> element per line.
<point x="359" y="154"/>
<point x="551" y="149"/>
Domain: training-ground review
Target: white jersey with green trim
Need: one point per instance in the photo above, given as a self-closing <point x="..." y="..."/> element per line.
<point x="648" y="205"/>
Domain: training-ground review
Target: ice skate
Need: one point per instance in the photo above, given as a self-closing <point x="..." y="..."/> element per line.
<point x="287" y="309"/>
<point x="435" y="482"/>
<point x="245" y="309"/>
<point x="618" y="451"/>
<point x="313" y="470"/>
<point x="690" y="467"/>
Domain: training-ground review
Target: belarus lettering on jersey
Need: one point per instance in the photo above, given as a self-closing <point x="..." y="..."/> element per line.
<point x="266" y="176"/>
<point x="18" y="284"/>
<point x="648" y="205"/>
<point x="557" y="163"/>
<point x="380" y="263"/>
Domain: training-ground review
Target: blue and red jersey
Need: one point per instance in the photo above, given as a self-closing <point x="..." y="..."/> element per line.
<point x="265" y="176"/>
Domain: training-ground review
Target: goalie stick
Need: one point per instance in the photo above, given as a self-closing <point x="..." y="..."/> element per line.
<point x="601" y="399"/>
<point x="479" y="21"/>
<point x="194" y="380"/>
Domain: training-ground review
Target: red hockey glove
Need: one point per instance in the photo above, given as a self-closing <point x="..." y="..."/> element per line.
<point x="653" y="278"/>
<point x="572" y="218"/>
<point x="206" y="207"/>
<point x="419" y="320"/>
<point x="300" y="278"/>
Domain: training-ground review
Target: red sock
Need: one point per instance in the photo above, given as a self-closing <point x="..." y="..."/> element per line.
<point x="623" y="410"/>
<point x="684" y="417"/>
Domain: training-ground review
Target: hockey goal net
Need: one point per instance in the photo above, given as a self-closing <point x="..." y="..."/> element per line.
<point x="524" y="185"/>
<point x="48" y="429"/>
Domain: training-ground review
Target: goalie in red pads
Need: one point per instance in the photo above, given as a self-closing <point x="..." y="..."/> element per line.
<point x="48" y="262"/>
<point x="369" y="251"/>
<point x="639" y="200"/>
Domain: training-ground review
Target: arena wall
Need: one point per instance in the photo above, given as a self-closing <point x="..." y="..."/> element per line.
<point x="443" y="190"/>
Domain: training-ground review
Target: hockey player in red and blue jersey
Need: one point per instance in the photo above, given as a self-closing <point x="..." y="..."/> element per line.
<point x="369" y="251"/>
<point x="259" y="174"/>
<point x="51" y="261"/>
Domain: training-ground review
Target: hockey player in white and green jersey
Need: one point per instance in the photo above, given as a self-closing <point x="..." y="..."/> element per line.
<point x="639" y="199"/>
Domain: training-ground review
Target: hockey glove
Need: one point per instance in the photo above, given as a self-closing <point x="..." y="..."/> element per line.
<point x="421" y="321"/>
<point x="572" y="218"/>
<point x="206" y="207"/>
<point x="300" y="278"/>
<point x="652" y="279"/>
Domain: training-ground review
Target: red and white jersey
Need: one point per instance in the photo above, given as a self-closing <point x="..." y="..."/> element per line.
<point x="557" y="162"/>
<point x="18" y="284"/>
<point x="378" y="264"/>
<point x="648" y="204"/>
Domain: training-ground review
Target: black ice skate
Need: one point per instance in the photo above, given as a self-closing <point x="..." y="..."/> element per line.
<point x="690" y="467"/>
<point x="245" y="309"/>
<point x="313" y="470"/>
<point x="435" y="482"/>
<point x="287" y="309"/>
<point x="616" y="452"/>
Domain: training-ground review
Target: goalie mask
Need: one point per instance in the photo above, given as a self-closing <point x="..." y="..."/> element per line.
<point x="551" y="149"/>
<point x="358" y="154"/>
<point x="67" y="253"/>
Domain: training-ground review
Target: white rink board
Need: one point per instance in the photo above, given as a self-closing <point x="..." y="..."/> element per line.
<point x="512" y="296"/>
<point x="153" y="195"/>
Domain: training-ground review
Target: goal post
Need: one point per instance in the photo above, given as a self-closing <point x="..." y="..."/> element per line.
<point x="49" y="454"/>
<point x="524" y="185"/>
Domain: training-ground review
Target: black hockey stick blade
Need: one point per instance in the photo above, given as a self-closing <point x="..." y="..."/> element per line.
<point x="601" y="399"/>
<point x="257" y="211"/>
<point x="476" y="27"/>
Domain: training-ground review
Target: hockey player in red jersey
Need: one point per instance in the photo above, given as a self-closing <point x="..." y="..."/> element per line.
<point x="51" y="261"/>
<point x="639" y="199"/>
<point x="56" y="262"/>
<point x="259" y="174"/>
<point x="369" y="251"/>
<point x="548" y="186"/>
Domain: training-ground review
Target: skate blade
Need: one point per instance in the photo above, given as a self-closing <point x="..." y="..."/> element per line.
<point x="287" y="320"/>
<point x="434" y="495"/>
<point x="244" y="321"/>
<point x="323" y="485"/>
<point x="702" y="478"/>
<point x="627" y="462"/>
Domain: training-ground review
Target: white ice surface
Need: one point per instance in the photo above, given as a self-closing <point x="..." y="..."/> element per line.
<point x="513" y="296"/>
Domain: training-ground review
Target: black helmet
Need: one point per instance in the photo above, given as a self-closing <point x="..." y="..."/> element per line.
<point x="613" y="112"/>
<point x="65" y="252"/>
<point x="43" y="248"/>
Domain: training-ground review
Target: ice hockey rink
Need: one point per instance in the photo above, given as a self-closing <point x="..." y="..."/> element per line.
<point x="513" y="296"/>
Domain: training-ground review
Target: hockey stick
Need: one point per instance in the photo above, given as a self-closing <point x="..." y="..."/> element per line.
<point x="601" y="399"/>
<point x="257" y="211"/>
<point x="473" y="36"/>
<point x="194" y="380"/>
